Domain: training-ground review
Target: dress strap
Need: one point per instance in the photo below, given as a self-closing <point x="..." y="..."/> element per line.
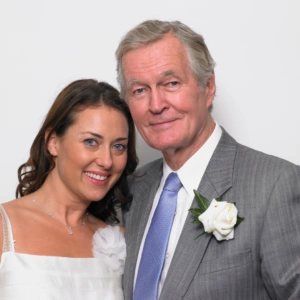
<point x="8" y="240"/>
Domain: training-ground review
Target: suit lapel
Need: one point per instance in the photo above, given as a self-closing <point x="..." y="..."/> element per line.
<point x="139" y="213"/>
<point x="189" y="252"/>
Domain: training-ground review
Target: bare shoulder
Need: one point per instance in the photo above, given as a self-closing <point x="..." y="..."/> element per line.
<point x="15" y="208"/>
<point x="15" y="203"/>
<point x="6" y="207"/>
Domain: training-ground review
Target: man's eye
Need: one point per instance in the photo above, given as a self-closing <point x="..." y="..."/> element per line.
<point x="173" y="83"/>
<point x="90" y="142"/>
<point x="138" y="91"/>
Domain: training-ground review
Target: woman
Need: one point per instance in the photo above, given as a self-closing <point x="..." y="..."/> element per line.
<point x="56" y="241"/>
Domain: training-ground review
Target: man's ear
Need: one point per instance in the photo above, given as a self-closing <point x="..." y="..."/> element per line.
<point x="52" y="144"/>
<point x="210" y="90"/>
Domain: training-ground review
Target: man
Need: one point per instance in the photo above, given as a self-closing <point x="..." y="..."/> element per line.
<point x="166" y="74"/>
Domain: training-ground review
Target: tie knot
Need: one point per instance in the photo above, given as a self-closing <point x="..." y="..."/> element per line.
<point x="172" y="183"/>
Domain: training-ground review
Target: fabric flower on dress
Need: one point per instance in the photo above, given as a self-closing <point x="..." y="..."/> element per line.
<point x="109" y="244"/>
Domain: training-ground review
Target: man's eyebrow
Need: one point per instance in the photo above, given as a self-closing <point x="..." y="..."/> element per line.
<point x="169" y="72"/>
<point x="166" y="73"/>
<point x="132" y="82"/>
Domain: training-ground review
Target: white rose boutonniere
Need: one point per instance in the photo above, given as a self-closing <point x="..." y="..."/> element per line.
<point x="219" y="217"/>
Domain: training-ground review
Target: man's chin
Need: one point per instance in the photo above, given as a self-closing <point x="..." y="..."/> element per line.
<point x="163" y="147"/>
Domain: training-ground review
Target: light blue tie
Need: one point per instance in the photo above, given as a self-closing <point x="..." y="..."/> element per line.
<point x="155" y="247"/>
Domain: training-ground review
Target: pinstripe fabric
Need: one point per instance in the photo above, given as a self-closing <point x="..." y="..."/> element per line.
<point x="261" y="262"/>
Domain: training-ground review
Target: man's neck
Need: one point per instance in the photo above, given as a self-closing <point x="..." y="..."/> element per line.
<point x="176" y="158"/>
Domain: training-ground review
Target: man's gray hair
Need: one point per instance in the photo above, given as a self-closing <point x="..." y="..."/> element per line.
<point x="201" y="62"/>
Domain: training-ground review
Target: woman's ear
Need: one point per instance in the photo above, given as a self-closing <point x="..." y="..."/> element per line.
<point x="52" y="144"/>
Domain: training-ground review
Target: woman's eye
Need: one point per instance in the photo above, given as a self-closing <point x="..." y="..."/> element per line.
<point x="90" y="142"/>
<point x="119" y="147"/>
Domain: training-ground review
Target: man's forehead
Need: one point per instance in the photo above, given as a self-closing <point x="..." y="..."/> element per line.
<point x="167" y="43"/>
<point x="164" y="59"/>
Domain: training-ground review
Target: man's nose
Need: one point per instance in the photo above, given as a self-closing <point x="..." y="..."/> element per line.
<point x="158" y="101"/>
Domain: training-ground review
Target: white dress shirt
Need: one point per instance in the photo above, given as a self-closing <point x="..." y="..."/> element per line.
<point x="190" y="175"/>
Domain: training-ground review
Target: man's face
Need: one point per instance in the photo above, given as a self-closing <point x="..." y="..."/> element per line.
<point x="169" y="108"/>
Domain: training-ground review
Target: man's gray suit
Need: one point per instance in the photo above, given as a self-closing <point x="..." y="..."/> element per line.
<point x="263" y="259"/>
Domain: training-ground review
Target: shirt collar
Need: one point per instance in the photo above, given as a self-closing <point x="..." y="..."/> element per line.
<point x="196" y="163"/>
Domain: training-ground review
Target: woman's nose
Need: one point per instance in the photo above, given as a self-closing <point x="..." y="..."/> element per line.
<point x="104" y="158"/>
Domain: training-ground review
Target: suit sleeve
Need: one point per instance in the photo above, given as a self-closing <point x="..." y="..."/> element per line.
<point x="280" y="239"/>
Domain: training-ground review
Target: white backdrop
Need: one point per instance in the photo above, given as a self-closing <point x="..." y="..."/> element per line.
<point x="47" y="44"/>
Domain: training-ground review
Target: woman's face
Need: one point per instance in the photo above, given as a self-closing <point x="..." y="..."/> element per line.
<point x="92" y="154"/>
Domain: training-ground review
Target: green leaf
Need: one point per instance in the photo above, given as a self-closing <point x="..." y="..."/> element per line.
<point x="238" y="221"/>
<point x="195" y="211"/>
<point x="219" y="199"/>
<point x="199" y="235"/>
<point x="202" y="201"/>
<point x="196" y="221"/>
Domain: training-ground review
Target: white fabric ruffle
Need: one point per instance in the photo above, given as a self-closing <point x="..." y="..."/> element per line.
<point x="109" y="244"/>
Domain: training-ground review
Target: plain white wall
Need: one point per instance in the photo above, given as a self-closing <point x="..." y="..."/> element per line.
<point x="47" y="44"/>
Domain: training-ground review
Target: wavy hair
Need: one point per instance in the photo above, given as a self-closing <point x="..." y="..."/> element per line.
<point x="77" y="96"/>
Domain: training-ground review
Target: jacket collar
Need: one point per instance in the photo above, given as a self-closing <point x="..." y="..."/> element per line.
<point x="189" y="252"/>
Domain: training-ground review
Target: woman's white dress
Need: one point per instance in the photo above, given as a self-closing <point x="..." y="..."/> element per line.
<point x="33" y="277"/>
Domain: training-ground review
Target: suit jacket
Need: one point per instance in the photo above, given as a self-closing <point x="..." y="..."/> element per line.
<point x="263" y="259"/>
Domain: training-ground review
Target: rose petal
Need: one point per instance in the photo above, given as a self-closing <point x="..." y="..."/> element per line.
<point x="220" y="219"/>
<point x="221" y="237"/>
